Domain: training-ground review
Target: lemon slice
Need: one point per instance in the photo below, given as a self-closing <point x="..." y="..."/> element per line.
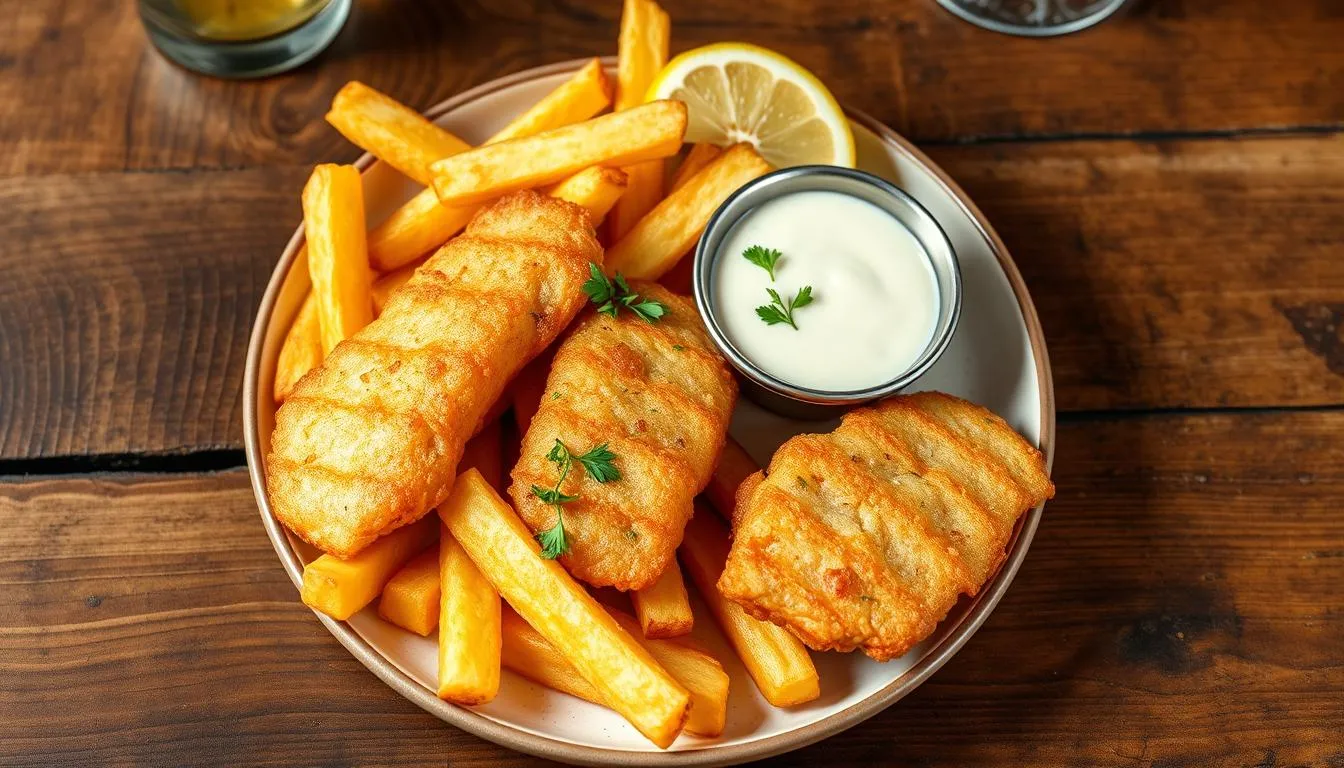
<point x="738" y="92"/>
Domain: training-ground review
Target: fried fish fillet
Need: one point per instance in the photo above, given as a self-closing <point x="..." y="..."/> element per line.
<point x="865" y="537"/>
<point x="660" y="396"/>
<point x="370" y="440"/>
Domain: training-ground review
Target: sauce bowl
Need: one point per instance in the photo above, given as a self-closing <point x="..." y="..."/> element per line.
<point x="782" y="396"/>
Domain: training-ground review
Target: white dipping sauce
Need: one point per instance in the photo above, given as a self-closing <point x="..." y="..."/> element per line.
<point x="874" y="294"/>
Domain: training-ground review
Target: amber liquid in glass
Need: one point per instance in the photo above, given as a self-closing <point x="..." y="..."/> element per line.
<point x="240" y="20"/>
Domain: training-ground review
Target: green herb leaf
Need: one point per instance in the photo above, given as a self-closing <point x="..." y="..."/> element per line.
<point x="598" y="463"/>
<point x="779" y="311"/>
<point x="803" y="298"/>
<point x="763" y="257"/>
<point x="610" y="294"/>
<point x="552" y="496"/>
<point x="553" y="540"/>
<point x="597" y="286"/>
<point x="559" y="455"/>
<point x="772" y="315"/>
<point x="649" y="309"/>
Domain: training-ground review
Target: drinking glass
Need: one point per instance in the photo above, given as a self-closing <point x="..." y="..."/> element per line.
<point x="1033" y="18"/>
<point x="242" y="38"/>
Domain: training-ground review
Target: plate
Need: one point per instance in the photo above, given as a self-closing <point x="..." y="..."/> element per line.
<point x="997" y="359"/>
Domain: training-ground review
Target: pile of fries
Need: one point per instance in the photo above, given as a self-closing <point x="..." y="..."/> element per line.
<point x="449" y="574"/>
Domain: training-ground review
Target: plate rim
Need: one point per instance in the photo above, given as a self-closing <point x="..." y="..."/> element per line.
<point x="548" y="747"/>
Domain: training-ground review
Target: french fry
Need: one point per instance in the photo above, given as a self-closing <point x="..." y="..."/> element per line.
<point x="776" y="660"/>
<point x="624" y="673"/>
<point x="655" y="244"/>
<point x="663" y="608"/>
<point x="527" y="389"/>
<point x="642" y="54"/>
<point x="583" y="95"/>
<point x="596" y="189"/>
<point x="697" y="158"/>
<point x="411" y="598"/>
<point x="735" y="465"/>
<point x="532" y="656"/>
<point x="422" y="225"/>
<point x="469" y="627"/>
<point x="648" y="132"/>
<point x="301" y="351"/>
<point x="391" y="131"/>
<point x="385" y="285"/>
<point x="333" y="221"/>
<point x="340" y="588"/>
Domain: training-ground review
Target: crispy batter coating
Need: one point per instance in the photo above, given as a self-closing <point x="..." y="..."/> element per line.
<point x="370" y="440"/>
<point x="660" y="395"/>
<point x="866" y="537"/>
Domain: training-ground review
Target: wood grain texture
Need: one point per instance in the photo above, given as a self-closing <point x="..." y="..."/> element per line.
<point x="84" y="91"/>
<point x="126" y="304"/>
<point x="1180" y="606"/>
<point x="1167" y="274"/>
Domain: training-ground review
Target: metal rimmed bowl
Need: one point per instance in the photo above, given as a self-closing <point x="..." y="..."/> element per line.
<point x="997" y="358"/>
<point x="778" y="394"/>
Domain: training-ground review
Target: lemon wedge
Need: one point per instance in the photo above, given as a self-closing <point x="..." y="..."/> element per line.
<point x="736" y="92"/>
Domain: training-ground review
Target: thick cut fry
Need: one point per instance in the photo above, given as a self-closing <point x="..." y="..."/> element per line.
<point x="340" y="588"/>
<point x="391" y="131"/>
<point x="672" y="227"/>
<point x="527" y="389"/>
<point x="663" y="609"/>
<point x="385" y="285"/>
<point x="776" y="660"/>
<point x="596" y="189"/>
<point x="469" y="628"/>
<point x="485" y="451"/>
<point x="580" y="97"/>
<point x="626" y="676"/>
<point x="648" y="132"/>
<point x="532" y="656"/>
<point x="411" y="598"/>
<point x="422" y="224"/>
<point x="645" y="33"/>
<point x="333" y="221"/>
<point x="734" y="466"/>
<point x="302" y="350"/>
<point x="696" y="159"/>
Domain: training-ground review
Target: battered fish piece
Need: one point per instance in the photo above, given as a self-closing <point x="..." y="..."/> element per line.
<point x="370" y="440"/>
<point x="660" y="396"/>
<point x="867" y="536"/>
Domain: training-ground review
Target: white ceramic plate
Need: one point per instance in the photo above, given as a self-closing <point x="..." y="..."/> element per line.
<point x="997" y="359"/>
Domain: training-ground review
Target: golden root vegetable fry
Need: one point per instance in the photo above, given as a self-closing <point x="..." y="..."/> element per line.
<point x="664" y="610"/>
<point x="527" y="389"/>
<point x="411" y="598"/>
<point x="385" y="285"/>
<point x="339" y="588"/>
<point x="642" y="48"/>
<point x="391" y="131"/>
<point x="660" y="239"/>
<point x="597" y="189"/>
<point x="301" y="351"/>
<point x="469" y="627"/>
<point x="624" y="673"/>
<point x="776" y="660"/>
<point x="580" y="97"/>
<point x="422" y="225"/>
<point x="532" y="656"/>
<point x="485" y="450"/>
<point x="648" y="132"/>
<point x="734" y="466"/>
<point x="333" y="222"/>
<point x="696" y="159"/>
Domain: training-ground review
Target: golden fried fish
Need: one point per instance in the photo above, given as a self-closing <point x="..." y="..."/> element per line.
<point x="865" y="537"/>
<point x="659" y="396"/>
<point x="370" y="440"/>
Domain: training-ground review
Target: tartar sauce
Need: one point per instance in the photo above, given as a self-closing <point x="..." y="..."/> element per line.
<point x="874" y="294"/>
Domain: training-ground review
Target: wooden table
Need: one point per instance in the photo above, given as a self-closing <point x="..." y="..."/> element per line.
<point x="1170" y="183"/>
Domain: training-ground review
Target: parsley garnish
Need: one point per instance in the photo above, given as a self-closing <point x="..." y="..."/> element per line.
<point x="598" y="464"/>
<point x="610" y="294"/>
<point x="763" y="257"/>
<point x="777" y="311"/>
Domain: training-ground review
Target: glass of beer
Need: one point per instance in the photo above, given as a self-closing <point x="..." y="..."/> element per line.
<point x="242" y="38"/>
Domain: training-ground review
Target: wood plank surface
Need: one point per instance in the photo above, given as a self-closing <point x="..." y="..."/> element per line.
<point x="1167" y="274"/>
<point x="83" y="90"/>
<point x="1180" y="606"/>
